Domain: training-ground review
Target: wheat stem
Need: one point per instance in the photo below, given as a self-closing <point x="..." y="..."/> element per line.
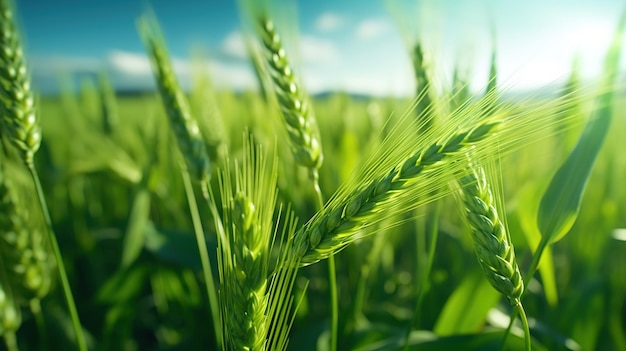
<point x="531" y="272"/>
<point x="35" y="308"/>
<point x="332" y="274"/>
<point x="424" y="285"/>
<point x="205" y="261"/>
<point x="522" y="314"/>
<point x="65" y="284"/>
<point x="11" y="341"/>
<point x="190" y="142"/>
<point x="537" y="257"/>
<point x="372" y="260"/>
<point x="334" y="303"/>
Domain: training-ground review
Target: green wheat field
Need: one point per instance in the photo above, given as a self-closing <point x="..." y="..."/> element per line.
<point x="272" y="219"/>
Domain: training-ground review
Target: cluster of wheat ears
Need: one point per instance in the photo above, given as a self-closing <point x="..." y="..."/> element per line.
<point x="440" y="146"/>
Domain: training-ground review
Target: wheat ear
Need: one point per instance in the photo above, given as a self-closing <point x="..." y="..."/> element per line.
<point x="336" y="225"/>
<point x="108" y="104"/>
<point x="298" y="116"/>
<point x="17" y="103"/>
<point x="252" y="300"/>
<point x="25" y="254"/>
<point x="184" y="126"/>
<point x="423" y="88"/>
<point x="492" y="242"/>
<point x="10" y="316"/>
<point x="489" y="234"/>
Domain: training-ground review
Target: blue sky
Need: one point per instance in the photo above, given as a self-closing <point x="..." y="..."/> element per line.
<point x="358" y="46"/>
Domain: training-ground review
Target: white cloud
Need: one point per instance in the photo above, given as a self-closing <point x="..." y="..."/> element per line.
<point x="315" y="50"/>
<point x="129" y="63"/>
<point x="396" y="81"/>
<point x="329" y="22"/>
<point x="234" y="45"/>
<point x="132" y="67"/>
<point x="372" y="28"/>
<point x="139" y="65"/>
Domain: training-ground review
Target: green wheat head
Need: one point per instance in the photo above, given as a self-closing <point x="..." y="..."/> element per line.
<point x="10" y="315"/>
<point x="254" y="292"/>
<point x="183" y="124"/>
<point x="17" y="103"/>
<point x="492" y="242"/>
<point x="25" y="253"/>
<point x="296" y="109"/>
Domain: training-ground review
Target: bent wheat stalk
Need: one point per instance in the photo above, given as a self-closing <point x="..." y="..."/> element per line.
<point x="406" y="169"/>
<point x="337" y="224"/>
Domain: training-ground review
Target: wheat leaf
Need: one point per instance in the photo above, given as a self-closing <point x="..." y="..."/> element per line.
<point x="560" y="204"/>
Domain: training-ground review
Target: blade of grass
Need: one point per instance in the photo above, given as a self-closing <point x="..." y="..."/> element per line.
<point x="561" y="202"/>
<point x="467" y="307"/>
<point x="424" y="285"/>
<point x="204" y="253"/>
<point x="134" y="236"/>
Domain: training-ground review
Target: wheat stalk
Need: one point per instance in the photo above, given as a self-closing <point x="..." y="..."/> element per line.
<point x="190" y="143"/>
<point x="302" y="129"/>
<point x="336" y="225"/>
<point x="184" y="126"/>
<point x="395" y="175"/>
<point x="17" y="102"/>
<point x="21" y="128"/>
<point x="296" y="110"/>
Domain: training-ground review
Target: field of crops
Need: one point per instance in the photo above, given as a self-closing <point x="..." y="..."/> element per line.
<point x="271" y="220"/>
